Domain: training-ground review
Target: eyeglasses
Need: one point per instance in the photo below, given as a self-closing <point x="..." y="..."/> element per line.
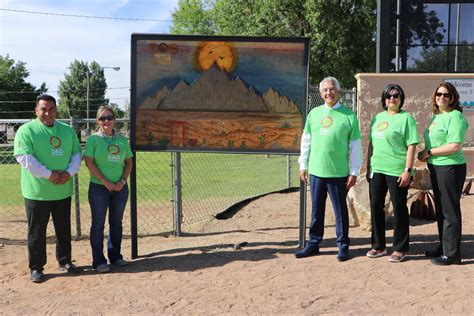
<point x="389" y="96"/>
<point x="446" y="95"/>
<point x="106" y="118"/>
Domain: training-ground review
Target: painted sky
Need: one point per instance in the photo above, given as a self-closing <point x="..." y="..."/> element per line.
<point x="49" y="43"/>
<point x="260" y="65"/>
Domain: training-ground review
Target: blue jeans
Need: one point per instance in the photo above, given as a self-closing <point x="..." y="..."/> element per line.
<point x="336" y="187"/>
<point x="101" y="199"/>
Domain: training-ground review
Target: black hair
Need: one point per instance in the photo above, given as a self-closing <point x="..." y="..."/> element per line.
<point x="387" y="89"/>
<point x="46" y="97"/>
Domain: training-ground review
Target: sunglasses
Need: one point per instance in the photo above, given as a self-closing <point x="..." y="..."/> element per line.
<point x="389" y="96"/>
<point x="446" y="95"/>
<point x="106" y="118"/>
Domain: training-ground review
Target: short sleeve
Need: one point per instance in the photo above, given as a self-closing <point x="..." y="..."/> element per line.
<point x="371" y="127"/>
<point x="76" y="145"/>
<point x="457" y="128"/>
<point x="22" y="143"/>
<point x="355" y="133"/>
<point x="307" y="125"/>
<point x="128" y="150"/>
<point x="90" y="147"/>
<point x="411" y="134"/>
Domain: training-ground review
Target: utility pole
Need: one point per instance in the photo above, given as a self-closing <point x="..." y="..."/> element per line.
<point x="88" y="77"/>
<point x="88" y="97"/>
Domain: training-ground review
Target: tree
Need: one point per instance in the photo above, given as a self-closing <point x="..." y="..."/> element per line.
<point x="73" y="90"/>
<point x="118" y="111"/>
<point x="435" y="59"/>
<point x="194" y="17"/>
<point x="17" y="97"/>
<point x="342" y="33"/>
<point x="419" y="27"/>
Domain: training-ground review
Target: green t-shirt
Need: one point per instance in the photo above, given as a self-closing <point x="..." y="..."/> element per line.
<point x="390" y="136"/>
<point x="331" y="131"/>
<point x="52" y="147"/>
<point x="109" y="155"/>
<point x="446" y="128"/>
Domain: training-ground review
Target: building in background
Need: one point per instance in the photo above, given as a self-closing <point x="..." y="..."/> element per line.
<point x="425" y="36"/>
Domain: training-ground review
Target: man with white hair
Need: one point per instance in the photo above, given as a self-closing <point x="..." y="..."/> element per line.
<point x="331" y="153"/>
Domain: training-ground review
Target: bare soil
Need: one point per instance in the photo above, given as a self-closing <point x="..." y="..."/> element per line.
<point x="246" y="265"/>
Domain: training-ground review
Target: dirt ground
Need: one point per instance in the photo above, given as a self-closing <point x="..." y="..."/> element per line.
<point x="203" y="272"/>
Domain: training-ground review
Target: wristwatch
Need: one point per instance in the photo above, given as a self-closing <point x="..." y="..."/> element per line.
<point x="124" y="181"/>
<point x="408" y="169"/>
<point x="429" y="153"/>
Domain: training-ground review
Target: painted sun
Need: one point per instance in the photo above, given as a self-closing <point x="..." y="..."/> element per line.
<point x="219" y="53"/>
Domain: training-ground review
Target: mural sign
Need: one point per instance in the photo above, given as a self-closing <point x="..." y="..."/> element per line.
<point x="465" y="89"/>
<point x="201" y="93"/>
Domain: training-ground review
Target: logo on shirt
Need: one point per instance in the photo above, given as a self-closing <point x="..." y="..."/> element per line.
<point x="55" y="142"/>
<point x="382" y="126"/>
<point x="326" y="123"/>
<point x="379" y="132"/>
<point x="113" y="149"/>
<point x="114" y="152"/>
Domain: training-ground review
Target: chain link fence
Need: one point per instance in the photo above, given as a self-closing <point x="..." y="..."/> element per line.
<point x="211" y="183"/>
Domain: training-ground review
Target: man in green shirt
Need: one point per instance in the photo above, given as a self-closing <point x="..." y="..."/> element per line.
<point x="50" y="154"/>
<point x="331" y="153"/>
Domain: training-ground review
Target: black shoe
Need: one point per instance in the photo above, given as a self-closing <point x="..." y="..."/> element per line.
<point x="446" y="261"/>
<point x="343" y="255"/>
<point x="120" y="263"/>
<point x="37" y="276"/>
<point x="69" y="267"/>
<point x="308" y="251"/>
<point x="434" y="253"/>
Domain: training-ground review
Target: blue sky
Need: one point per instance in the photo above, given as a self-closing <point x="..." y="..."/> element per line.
<point x="49" y="43"/>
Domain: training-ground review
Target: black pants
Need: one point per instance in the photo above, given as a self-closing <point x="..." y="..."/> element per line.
<point x="447" y="182"/>
<point x="38" y="213"/>
<point x="378" y="187"/>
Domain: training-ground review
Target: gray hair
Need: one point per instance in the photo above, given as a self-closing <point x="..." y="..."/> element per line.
<point x="333" y="80"/>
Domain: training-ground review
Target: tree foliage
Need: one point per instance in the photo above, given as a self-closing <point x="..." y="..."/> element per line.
<point x="342" y="33"/>
<point x="17" y="97"/>
<point x="73" y="90"/>
<point x="435" y="59"/>
<point x="419" y="27"/>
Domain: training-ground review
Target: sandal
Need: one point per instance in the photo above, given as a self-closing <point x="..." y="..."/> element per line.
<point x="397" y="257"/>
<point x="376" y="253"/>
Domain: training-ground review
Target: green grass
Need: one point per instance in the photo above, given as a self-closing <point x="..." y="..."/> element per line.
<point x="204" y="176"/>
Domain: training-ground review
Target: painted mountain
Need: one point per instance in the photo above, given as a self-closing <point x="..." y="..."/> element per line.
<point x="215" y="90"/>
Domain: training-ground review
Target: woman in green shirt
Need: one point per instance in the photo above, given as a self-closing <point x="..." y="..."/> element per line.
<point x="443" y="138"/>
<point x="109" y="159"/>
<point x="393" y="139"/>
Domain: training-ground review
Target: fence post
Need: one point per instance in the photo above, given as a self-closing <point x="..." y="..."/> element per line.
<point x="288" y="171"/>
<point x="133" y="208"/>
<point x="177" y="198"/>
<point x="302" y="232"/>
<point x="77" y="204"/>
<point x="354" y="99"/>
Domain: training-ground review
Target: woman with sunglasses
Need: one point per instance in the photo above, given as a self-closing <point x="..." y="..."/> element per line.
<point x="443" y="138"/>
<point x="109" y="159"/>
<point x="391" y="153"/>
